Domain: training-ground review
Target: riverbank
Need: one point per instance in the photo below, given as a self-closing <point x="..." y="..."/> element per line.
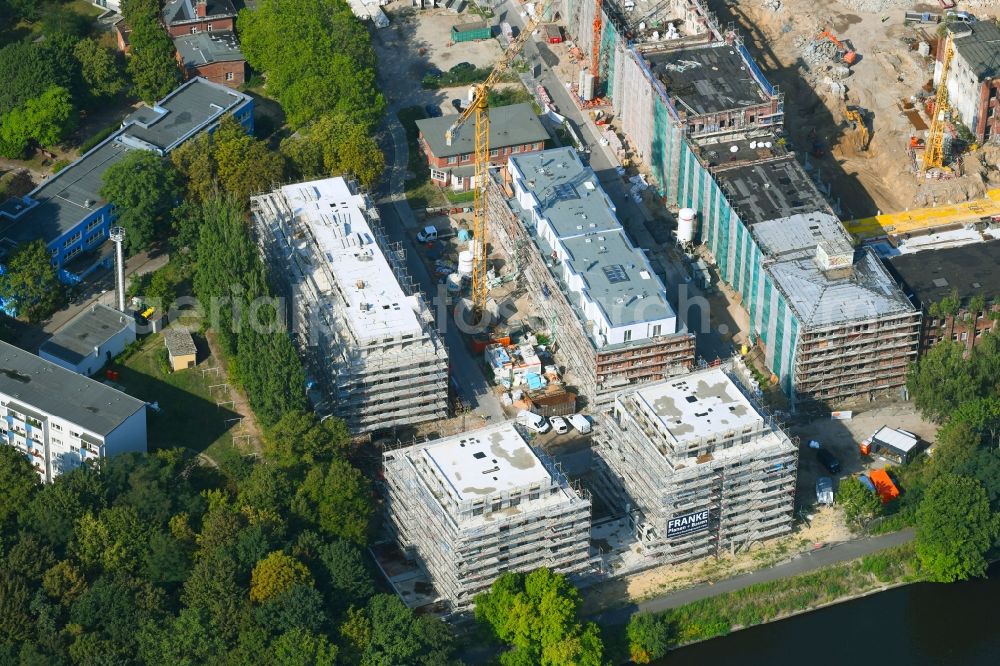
<point x="650" y="635"/>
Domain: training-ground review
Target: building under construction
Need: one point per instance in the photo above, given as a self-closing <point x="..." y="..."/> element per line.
<point x="368" y="337"/>
<point x="472" y="506"/>
<point x="700" y="466"/>
<point x="608" y="313"/>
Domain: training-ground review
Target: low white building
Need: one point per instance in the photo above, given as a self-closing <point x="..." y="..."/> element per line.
<point x="90" y="339"/>
<point x="472" y="506"/>
<point x="60" y="419"/>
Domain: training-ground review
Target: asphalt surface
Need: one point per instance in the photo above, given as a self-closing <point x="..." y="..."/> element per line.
<point x="804" y="563"/>
<point x="400" y="225"/>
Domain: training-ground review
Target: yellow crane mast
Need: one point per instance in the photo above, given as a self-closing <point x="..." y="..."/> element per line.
<point x="934" y="151"/>
<point x="480" y="109"/>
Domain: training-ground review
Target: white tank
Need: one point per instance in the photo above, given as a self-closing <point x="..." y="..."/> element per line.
<point x="586" y="86"/>
<point x="472" y="93"/>
<point x="686" y="223"/>
<point x="454" y="283"/>
<point x="465" y="258"/>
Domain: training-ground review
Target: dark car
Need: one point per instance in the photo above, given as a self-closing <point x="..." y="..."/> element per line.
<point x="433" y="110"/>
<point x="458" y="104"/>
<point x="462" y="67"/>
<point x="828" y="460"/>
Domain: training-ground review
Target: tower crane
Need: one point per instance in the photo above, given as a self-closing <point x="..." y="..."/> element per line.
<point x="480" y="110"/>
<point x="934" y="152"/>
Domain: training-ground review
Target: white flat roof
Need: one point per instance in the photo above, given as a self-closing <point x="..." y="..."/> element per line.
<point x="698" y="405"/>
<point x="484" y="462"/>
<point x="378" y="306"/>
<point x="897" y="439"/>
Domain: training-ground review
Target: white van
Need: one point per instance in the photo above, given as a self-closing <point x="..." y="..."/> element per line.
<point x="533" y="421"/>
<point x="580" y="422"/>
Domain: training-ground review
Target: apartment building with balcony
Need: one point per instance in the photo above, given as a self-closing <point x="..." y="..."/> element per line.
<point x="60" y="419"/>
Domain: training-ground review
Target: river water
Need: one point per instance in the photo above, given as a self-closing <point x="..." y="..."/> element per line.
<point x="916" y="625"/>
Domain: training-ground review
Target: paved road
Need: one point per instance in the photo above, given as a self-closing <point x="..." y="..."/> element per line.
<point x="816" y="559"/>
<point x="400" y="225"/>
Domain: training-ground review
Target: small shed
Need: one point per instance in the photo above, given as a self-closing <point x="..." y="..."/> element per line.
<point x="555" y="401"/>
<point x="470" y="32"/>
<point x="894" y="444"/>
<point x="180" y="348"/>
<point x="553" y="35"/>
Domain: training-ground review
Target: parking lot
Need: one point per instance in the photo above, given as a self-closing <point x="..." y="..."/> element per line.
<point x="842" y="437"/>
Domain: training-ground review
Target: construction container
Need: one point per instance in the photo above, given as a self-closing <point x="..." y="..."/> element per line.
<point x="553" y="34"/>
<point x="884" y="486"/>
<point x="470" y="32"/>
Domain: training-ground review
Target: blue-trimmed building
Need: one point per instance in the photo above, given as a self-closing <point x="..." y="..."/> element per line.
<point x="67" y="210"/>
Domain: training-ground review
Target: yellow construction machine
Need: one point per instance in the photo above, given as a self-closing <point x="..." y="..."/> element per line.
<point x="480" y="110"/>
<point x="934" y="150"/>
<point x="855" y="116"/>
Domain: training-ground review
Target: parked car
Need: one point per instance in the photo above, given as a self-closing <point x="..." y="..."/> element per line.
<point x="828" y="460"/>
<point x="580" y="422"/>
<point x="559" y="424"/>
<point x="533" y="421"/>
<point x="824" y="490"/>
<point x="433" y="110"/>
<point x="459" y="104"/>
<point x="429" y="234"/>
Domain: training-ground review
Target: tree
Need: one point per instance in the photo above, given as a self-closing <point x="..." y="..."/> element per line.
<point x="334" y="146"/>
<point x="300" y="647"/>
<point x="29" y="284"/>
<point x="942" y="380"/>
<point x="298" y="607"/>
<point x="18" y="483"/>
<point x="860" y="504"/>
<point x="143" y="188"/>
<point x="387" y="632"/>
<point x="348" y="577"/>
<point x="318" y="59"/>
<point x="152" y="61"/>
<point x="536" y="614"/>
<point x="64" y="582"/>
<point x="244" y="165"/>
<point x="276" y="574"/>
<point x="15" y="618"/>
<point x="101" y="67"/>
<point x="955" y="529"/>
<point x="336" y="497"/>
<point x="26" y="73"/>
<point x="650" y="636"/>
<point x="229" y="270"/>
<point x="298" y="438"/>
<point x="45" y="119"/>
<point x="195" y="161"/>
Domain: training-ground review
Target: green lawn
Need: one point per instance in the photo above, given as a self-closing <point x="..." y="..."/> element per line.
<point x="188" y="416"/>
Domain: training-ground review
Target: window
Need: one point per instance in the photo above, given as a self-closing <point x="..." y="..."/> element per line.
<point x="437" y="174"/>
<point x="656" y="330"/>
<point x="453" y="160"/>
<point x="466" y="157"/>
<point x="965" y="336"/>
<point x="628" y="335"/>
<point x="194" y="30"/>
<point x="209" y="27"/>
<point x="95" y="223"/>
<point x="56" y="426"/>
<point x="230" y="76"/>
<point x="494" y="152"/>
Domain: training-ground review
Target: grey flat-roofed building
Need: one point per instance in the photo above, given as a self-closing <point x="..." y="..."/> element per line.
<point x="59" y="418"/>
<point x="567" y="193"/>
<point x="196" y="106"/>
<point x="204" y="48"/>
<point x="67" y="197"/>
<point x="702" y="80"/>
<point x="90" y="339"/>
<point x="967" y="270"/>
<point x="618" y="278"/>
<point x="769" y="190"/>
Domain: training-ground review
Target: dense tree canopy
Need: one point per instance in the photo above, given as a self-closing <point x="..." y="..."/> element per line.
<point x="537" y="615"/>
<point x="335" y="146"/>
<point x="860" y="504"/>
<point x="228" y="161"/>
<point x="143" y="187"/>
<point x="317" y="57"/>
<point x="102" y="68"/>
<point x="152" y="62"/>
<point x="44" y="120"/>
<point x="955" y="528"/>
<point x="29" y="284"/>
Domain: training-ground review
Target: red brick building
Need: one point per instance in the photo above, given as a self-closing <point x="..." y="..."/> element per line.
<point x="957" y="290"/>
<point x="188" y="17"/>
<point x="215" y="56"/>
<point x="514" y="129"/>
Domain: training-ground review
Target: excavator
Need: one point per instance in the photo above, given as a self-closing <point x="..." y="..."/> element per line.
<point x="855" y="117"/>
<point x="848" y="55"/>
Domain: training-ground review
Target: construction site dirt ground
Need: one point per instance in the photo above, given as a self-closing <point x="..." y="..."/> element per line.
<point x="888" y="71"/>
<point x="825" y="526"/>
